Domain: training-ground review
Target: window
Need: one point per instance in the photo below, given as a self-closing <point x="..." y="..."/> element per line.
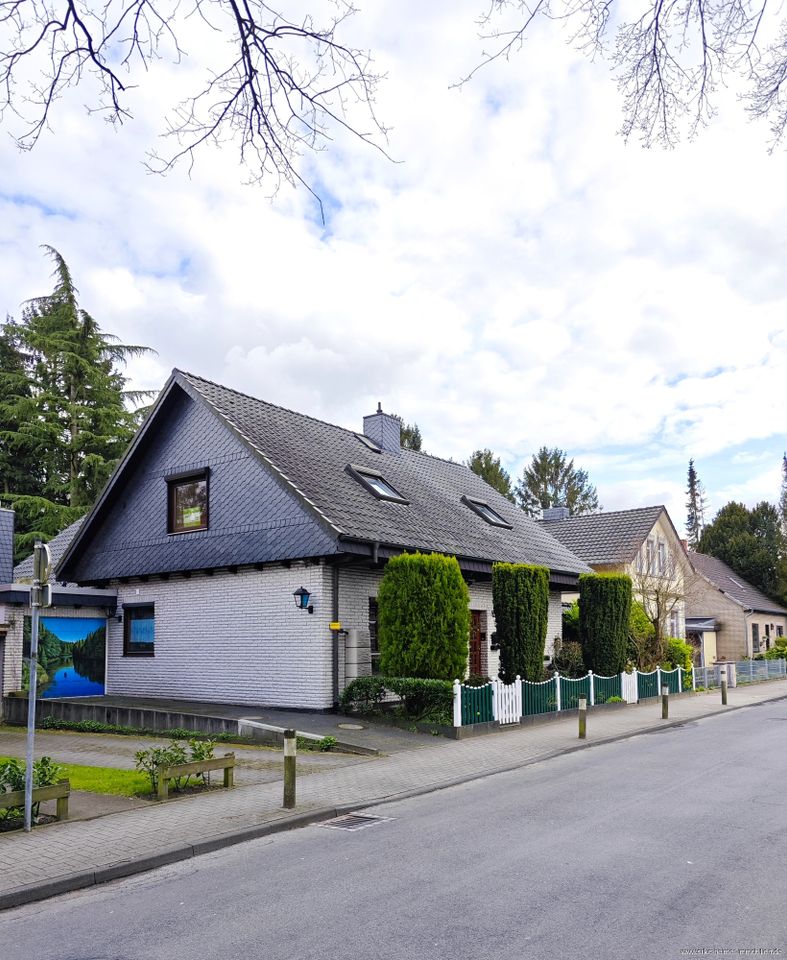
<point x="486" y="512"/>
<point x="368" y="442"/>
<point x="767" y="636"/>
<point x="188" y="503"/>
<point x="663" y="558"/>
<point x="674" y="624"/>
<point x="650" y="566"/>
<point x="138" y="630"/>
<point x="779" y="631"/>
<point x="755" y="638"/>
<point x="374" y="646"/>
<point x="376" y="483"/>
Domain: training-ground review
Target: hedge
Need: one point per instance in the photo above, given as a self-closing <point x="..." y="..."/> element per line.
<point x="520" y="596"/>
<point x="422" y="699"/>
<point x="423" y="617"/>
<point x="604" y="612"/>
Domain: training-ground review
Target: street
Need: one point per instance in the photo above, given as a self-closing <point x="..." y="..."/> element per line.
<point x="660" y="846"/>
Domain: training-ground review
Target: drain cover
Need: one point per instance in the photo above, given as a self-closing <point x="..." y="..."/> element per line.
<point x="350" y="726"/>
<point x="353" y="821"/>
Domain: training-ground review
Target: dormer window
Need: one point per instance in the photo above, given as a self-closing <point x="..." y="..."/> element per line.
<point x="486" y="512"/>
<point x="368" y="442"/>
<point x="376" y="483"/>
<point x="187" y="506"/>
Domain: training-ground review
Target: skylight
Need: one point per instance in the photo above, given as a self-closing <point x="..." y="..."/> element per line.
<point x="376" y="483"/>
<point x="368" y="442"/>
<point x="486" y="512"/>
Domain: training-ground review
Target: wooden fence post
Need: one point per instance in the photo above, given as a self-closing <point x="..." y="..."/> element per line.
<point x="289" y="769"/>
<point x="723" y="676"/>
<point x="665" y="703"/>
<point x="583" y="718"/>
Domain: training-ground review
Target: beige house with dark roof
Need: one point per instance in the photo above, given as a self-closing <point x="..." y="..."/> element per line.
<point x="731" y="617"/>
<point x="642" y="543"/>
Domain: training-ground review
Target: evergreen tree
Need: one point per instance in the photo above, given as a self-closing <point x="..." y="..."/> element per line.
<point x="604" y="615"/>
<point x="63" y="410"/>
<point x="18" y="469"/>
<point x="520" y="595"/>
<point x="410" y="436"/>
<point x="487" y="466"/>
<point x="751" y="542"/>
<point x="783" y="496"/>
<point x="552" y="481"/>
<point x="695" y="504"/>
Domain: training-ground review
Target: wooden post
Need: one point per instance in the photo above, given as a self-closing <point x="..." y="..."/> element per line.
<point x="723" y="675"/>
<point x="583" y="717"/>
<point x="665" y="703"/>
<point x="289" y="769"/>
<point x="62" y="808"/>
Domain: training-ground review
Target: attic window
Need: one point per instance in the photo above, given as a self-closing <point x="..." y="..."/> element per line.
<point x="187" y="503"/>
<point x="486" y="512"/>
<point x="376" y="483"/>
<point x="368" y="442"/>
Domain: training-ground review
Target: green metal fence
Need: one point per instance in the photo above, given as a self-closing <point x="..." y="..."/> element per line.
<point x="477" y="704"/>
<point x="571" y="690"/>
<point x="538" y="697"/>
<point x="606" y="687"/>
<point x="648" y="685"/>
<point x="671" y="679"/>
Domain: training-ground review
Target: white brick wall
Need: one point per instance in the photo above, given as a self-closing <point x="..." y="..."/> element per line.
<point x="231" y="638"/>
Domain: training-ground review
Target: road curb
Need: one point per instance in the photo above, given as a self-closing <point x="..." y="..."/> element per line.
<point x="30" y="893"/>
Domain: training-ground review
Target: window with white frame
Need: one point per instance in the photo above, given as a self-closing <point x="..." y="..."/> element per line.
<point x="662" y="557"/>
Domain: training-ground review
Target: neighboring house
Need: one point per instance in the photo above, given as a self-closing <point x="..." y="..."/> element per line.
<point x="728" y="616"/>
<point x="245" y="544"/>
<point x="642" y="543"/>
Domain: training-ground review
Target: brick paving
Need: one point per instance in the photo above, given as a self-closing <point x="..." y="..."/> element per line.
<point x="65" y="849"/>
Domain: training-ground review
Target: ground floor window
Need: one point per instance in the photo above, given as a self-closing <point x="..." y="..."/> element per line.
<point x="755" y="638"/>
<point x="374" y="645"/>
<point x="138" y="630"/>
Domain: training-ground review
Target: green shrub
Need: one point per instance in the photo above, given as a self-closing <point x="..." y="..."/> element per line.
<point x="571" y="623"/>
<point x="149" y="761"/>
<point x="423" y="618"/>
<point x="778" y="651"/>
<point x="46" y="773"/>
<point x="475" y="680"/>
<point x="422" y="699"/>
<point x="604" y="612"/>
<point x="568" y="659"/>
<point x="615" y="700"/>
<point x="520" y="595"/>
<point x="643" y="649"/>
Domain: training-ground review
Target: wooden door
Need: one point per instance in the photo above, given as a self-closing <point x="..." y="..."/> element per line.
<point x="476" y="643"/>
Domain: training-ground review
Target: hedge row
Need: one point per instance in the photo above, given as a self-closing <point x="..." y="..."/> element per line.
<point x="422" y="699"/>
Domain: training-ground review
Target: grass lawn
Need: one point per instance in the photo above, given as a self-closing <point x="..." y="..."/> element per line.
<point x="121" y="783"/>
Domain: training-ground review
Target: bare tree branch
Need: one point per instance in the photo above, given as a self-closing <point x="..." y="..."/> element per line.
<point x="286" y="86"/>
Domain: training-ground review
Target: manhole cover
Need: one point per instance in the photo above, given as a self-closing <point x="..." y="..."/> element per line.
<point x="353" y="821"/>
<point x="350" y="726"/>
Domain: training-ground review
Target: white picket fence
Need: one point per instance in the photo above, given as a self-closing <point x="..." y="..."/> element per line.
<point x="507" y="701"/>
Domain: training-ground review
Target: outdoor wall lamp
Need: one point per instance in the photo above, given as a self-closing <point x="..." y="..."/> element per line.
<point x="302" y="597"/>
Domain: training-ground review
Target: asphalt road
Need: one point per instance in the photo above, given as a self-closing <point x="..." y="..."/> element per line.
<point x="662" y="846"/>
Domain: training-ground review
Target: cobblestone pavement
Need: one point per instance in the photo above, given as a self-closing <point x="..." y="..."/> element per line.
<point x="176" y="828"/>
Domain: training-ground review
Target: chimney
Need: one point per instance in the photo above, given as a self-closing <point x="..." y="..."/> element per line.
<point x="555" y="513"/>
<point x="6" y="545"/>
<point x="384" y="429"/>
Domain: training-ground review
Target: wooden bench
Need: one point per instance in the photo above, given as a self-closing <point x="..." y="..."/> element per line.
<point x="225" y="763"/>
<point x="58" y="791"/>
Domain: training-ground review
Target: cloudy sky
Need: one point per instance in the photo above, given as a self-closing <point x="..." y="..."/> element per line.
<point x="519" y="277"/>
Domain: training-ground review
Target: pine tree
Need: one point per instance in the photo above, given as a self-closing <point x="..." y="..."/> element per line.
<point x="64" y="409"/>
<point x="551" y="481"/>
<point x="696" y="505"/>
<point x="487" y="466"/>
<point x="410" y="436"/>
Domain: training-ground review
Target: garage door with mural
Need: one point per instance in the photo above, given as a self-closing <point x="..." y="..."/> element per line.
<point x="71" y="656"/>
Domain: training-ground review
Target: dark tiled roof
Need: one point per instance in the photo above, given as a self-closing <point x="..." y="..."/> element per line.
<point x="313" y="456"/>
<point x="613" y="537"/>
<point x="23" y="572"/>
<point x="726" y="579"/>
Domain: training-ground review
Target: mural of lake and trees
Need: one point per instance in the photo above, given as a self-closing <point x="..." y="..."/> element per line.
<point x="70" y="656"/>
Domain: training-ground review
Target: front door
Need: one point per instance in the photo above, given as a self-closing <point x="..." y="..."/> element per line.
<point x="476" y="643"/>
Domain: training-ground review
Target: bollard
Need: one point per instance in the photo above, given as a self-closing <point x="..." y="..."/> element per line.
<point x="583" y="718"/>
<point x="289" y="769"/>
<point x="665" y="703"/>
<point x="723" y="673"/>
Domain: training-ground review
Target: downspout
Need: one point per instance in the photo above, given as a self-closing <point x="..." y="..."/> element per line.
<point x="335" y="613"/>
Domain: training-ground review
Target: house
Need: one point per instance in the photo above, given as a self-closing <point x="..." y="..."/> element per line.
<point x="77" y="611"/>
<point x="728" y="617"/>
<point x="245" y="542"/>
<point x="642" y="543"/>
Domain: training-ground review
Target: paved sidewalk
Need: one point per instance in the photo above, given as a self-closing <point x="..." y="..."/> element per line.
<point x="67" y="856"/>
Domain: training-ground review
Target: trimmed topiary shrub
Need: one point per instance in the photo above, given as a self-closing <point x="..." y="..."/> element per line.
<point x="604" y="611"/>
<point x="520" y="595"/>
<point x="423" y="619"/>
<point x="428" y="700"/>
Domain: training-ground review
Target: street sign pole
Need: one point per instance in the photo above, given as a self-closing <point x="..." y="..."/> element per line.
<point x="40" y="594"/>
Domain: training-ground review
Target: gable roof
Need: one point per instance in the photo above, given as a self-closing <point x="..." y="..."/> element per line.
<point x="58" y="546"/>
<point x="601" y="538"/>
<point x="733" y="585"/>
<point x="314" y="460"/>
